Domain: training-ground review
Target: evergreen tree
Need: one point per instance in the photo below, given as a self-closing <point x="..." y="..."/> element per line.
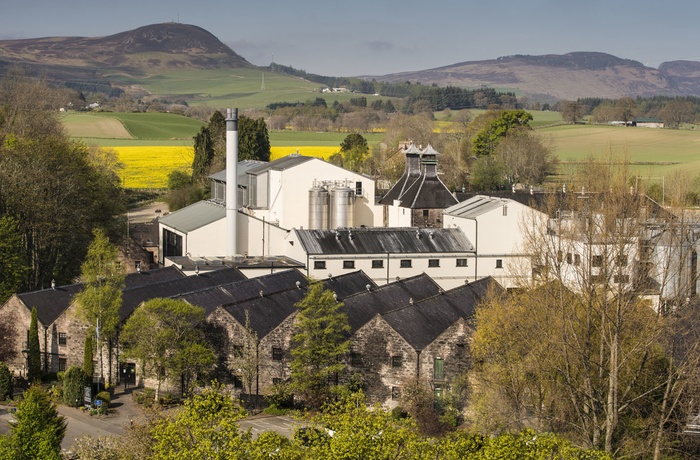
<point x="203" y="155"/>
<point x="88" y="356"/>
<point x="320" y="341"/>
<point x="74" y="380"/>
<point x="39" y="429"/>
<point x="34" y="357"/>
<point x="6" y="388"/>
<point x="253" y="139"/>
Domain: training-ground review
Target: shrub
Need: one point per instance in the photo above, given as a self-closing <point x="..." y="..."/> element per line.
<point x="280" y="395"/>
<point x="105" y="397"/>
<point x="74" y="380"/>
<point x="6" y="387"/>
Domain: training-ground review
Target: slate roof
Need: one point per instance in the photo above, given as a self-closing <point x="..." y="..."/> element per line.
<point x="239" y="291"/>
<point x="194" y="216"/>
<point x="365" y="305"/>
<point x="420" y="187"/>
<point x="422" y="322"/>
<point x="382" y="240"/>
<point x="349" y="283"/>
<point x="51" y="303"/>
<point x="132" y="298"/>
<point x="266" y="312"/>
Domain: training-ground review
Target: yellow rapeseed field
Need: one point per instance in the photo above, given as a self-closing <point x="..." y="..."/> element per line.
<point x="149" y="166"/>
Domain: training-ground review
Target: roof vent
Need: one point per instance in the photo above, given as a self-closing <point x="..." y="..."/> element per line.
<point x="350" y="235"/>
<point x="261" y="293"/>
<point x="368" y="287"/>
<point x="418" y="234"/>
<point x="53" y="284"/>
<point x="196" y="270"/>
<point x="410" y="301"/>
<point x="432" y="235"/>
<point x="330" y="276"/>
<point x="298" y="284"/>
<point x="335" y="296"/>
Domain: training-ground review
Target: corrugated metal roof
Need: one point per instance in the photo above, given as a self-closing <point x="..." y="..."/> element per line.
<point x="243" y="167"/>
<point x="381" y="240"/>
<point x="194" y="216"/>
<point x="281" y="164"/>
<point x="476" y="206"/>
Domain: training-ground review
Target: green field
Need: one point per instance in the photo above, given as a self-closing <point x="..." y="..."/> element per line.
<point x="652" y="152"/>
<point x="242" y="88"/>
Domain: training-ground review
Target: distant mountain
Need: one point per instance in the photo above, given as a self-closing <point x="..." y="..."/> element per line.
<point x="136" y="53"/>
<point x="569" y="76"/>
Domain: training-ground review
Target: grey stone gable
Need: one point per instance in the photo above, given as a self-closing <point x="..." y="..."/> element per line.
<point x="51" y="303"/>
<point x="132" y="298"/>
<point x="422" y="322"/>
<point x="362" y="307"/>
<point x="266" y="312"/>
<point x="382" y="240"/>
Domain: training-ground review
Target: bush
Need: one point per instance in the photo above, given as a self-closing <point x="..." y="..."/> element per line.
<point x="74" y="380"/>
<point x="280" y="395"/>
<point x="105" y="397"/>
<point x="6" y="387"/>
<point x="145" y="397"/>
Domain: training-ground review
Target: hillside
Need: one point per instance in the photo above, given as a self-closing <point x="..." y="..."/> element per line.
<point x="569" y="76"/>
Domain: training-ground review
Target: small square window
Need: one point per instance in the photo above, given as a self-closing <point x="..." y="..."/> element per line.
<point x="622" y="279"/>
<point x="62" y="338"/>
<point x="276" y="354"/>
<point x="461" y="262"/>
<point x="597" y="261"/>
<point x="397" y="361"/>
<point x="62" y="362"/>
<point x="237" y="382"/>
<point x="499" y="263"/>
<point x="378" y="263"/>
<point x="319" y="264"/>
<point x="406" y="263"/>
<point x="621" y="260"/>
<point x="348" y="264"/>
<point x="426" y="213"/>
<point x="433" y="262"/>
<point x="577" y="259"/>
<point x="569" y="258"/>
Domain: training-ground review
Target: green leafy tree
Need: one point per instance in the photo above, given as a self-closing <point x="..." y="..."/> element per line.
<point x="571" y="111"/>
<point x="100" y="300"/>
<point x="55" y="189"/>
<point x="207" y="427"/>
<point x="354" y="151"/>
<point x="320" y="341"/>
<point x="34" y="352"/>
<point x="160" y="335"/>
<point x="501" y="123"/>
<point x="488" y="173"/>
<point x="6" y="386"/>
<point x="38" y="430"/>
<point x="13" y="264"/>
<point x="253" y="139"/>
<point x="74" y="381"/>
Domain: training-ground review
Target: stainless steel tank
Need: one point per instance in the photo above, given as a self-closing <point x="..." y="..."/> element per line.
<point x="319" y="203"/>
<point x="342" y="207"/>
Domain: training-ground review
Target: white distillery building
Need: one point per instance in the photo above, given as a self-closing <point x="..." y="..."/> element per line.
<point x="273" y="198"/>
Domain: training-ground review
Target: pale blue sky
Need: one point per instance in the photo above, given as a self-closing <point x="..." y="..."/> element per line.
<point x="364" y="37"/>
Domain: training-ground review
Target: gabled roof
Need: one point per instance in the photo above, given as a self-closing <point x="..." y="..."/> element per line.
<point x="51" y="303"/>
<point x="365" y="305"/>
<point x="381" y="240"/>
<point x="349" y="283"/>
<point x="132" y="298"/>
<point x="427" y="193"/>
<point x="422" y="322"/>
<point x="194" y="216"/>
<point x="266" y="312"/>
<point x="242" y="290"/>
<point x="477" y="206"/>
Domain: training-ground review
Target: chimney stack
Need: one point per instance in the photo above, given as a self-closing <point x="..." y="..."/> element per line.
<point x="231" y="180"/>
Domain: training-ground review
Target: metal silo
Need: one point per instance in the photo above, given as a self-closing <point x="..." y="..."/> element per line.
<point x="343" y="207"/>
<point x="319" y="200"/>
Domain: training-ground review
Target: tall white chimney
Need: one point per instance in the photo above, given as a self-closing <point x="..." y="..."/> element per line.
<point x="231" y="180"/>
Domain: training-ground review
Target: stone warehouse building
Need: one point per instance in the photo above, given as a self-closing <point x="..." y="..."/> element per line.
<point x="405" y="329"/>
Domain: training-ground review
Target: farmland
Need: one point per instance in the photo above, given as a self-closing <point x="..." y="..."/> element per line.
<point x="150" y="145"/>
